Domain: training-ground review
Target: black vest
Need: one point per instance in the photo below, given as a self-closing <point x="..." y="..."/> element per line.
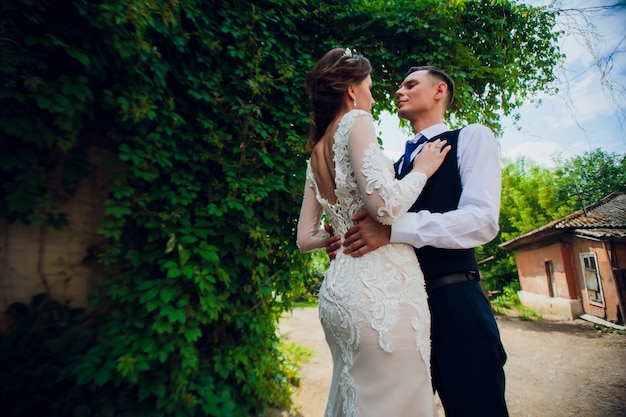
<point x="441" y="194"/>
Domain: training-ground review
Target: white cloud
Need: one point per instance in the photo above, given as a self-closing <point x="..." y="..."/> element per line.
<point x="539" y="151"/>
<point x="580" y="100"/>
<point x="543" y="152"/>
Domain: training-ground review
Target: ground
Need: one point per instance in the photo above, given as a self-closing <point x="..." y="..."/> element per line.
<point x="554" y="368"/>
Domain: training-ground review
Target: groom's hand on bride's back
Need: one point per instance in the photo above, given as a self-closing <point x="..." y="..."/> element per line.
<point x="333" y="243"/>
<point x="366" y="235"/>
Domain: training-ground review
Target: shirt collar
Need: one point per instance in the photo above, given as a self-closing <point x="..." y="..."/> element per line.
<point x="431" y="131"/>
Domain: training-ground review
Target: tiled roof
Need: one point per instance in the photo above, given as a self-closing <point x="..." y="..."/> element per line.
<point x="605" y="219"/>
<point x="602" y="233"/>
<point x="610" y="212"/>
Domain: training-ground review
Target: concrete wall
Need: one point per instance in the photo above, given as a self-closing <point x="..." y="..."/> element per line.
<point x="531" y="266"/>
<point x="557" y="307"/>
<point x="34" y="258"/>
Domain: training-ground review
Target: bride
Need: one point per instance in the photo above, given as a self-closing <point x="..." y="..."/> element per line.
<point x="373" y="308"/>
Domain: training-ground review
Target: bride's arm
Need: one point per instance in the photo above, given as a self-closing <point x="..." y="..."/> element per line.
<point x="386" y="198"/>
<point x="310" y="235"/>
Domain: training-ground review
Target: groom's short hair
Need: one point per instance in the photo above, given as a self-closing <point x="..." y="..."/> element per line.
<point x="439" y="74"/>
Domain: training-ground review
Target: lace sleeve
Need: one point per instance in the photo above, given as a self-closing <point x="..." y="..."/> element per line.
<point x="310" y="235"/>
<point x="386" y="197"/>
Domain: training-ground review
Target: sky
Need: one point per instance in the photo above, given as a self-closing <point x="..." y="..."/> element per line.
<point x="584" y="115"/>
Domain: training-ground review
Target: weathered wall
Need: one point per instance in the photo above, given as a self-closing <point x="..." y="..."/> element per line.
<point x="531" y="266"/>
<point x="34" y="258"/>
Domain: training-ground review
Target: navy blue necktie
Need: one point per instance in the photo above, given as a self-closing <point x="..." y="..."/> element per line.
<point x="408" y="150"/>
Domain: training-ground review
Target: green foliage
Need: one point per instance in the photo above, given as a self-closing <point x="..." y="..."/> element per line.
<point x="501" y="269"/>
<point x="594" y="175"/>
<point x="43" y="341"/>
<point x="296" y="355"/>
<point x="202" y="103"/>
<point x="311" y="279"/>
<point x="532" y="196"/>
<point x="45" y="104"/>
<point x="500" y="53"/>
<point x="509" y="303"/>
<point x="609" y="330"/>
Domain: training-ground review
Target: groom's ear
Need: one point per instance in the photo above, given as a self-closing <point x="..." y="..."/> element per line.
<point x="441" y="89"/>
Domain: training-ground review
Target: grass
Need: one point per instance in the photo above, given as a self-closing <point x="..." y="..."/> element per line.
<point x="304" y="304"/>
<point x="509" y="302"/>
<point x="295" y="355"/>
<point x="606" y="329"/>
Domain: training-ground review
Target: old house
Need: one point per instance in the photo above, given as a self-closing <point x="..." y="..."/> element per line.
<point x="577" y="264"/>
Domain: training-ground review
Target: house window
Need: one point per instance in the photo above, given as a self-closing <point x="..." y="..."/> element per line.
<point x="550" y="274"/>
<point x="591" y="278"/>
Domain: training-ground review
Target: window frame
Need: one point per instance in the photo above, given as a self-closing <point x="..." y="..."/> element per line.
<point x="585" y="270"/>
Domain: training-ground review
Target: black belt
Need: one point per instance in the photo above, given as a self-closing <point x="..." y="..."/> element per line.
<point x="443" y="280"/>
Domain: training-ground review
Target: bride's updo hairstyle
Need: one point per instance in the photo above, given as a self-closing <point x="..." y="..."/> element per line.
<point x="327" y="82"/>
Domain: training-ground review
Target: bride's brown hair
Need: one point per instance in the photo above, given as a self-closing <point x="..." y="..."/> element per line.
<point x="326" y="83"/>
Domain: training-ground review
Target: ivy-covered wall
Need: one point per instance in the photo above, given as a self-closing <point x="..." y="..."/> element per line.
<point x="202" y="104"/>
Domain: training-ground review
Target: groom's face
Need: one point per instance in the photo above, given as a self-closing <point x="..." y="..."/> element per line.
<point x="416" y="95"/>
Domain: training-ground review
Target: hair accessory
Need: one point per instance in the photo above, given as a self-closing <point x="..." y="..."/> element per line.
<point x="348" y="53"/>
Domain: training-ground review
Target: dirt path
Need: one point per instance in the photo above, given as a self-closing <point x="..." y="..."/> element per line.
<point x="554" y="369"/>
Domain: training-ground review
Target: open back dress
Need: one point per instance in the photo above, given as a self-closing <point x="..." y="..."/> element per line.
<point x="373" y="308"/>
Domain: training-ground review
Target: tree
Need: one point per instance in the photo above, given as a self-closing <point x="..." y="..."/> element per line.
<point x="203" y="103"/>
<point x="531" y="197"/>
<point x="593" y="175"/>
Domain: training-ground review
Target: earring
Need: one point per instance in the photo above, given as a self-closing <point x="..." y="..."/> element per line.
<point x="355" y="102"/>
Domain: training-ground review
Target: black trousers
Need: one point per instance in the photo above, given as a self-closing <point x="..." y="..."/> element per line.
<point x="467" y="353"/>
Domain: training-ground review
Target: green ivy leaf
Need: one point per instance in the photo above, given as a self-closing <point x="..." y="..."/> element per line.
<point x="166" y="294"/>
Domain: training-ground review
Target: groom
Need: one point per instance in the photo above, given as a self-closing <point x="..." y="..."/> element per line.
<point x="457" y="211"/>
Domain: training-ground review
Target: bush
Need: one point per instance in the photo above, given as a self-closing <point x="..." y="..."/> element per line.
<point x="43" y="341"/>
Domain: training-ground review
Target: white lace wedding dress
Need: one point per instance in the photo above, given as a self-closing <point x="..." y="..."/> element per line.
<point x="373" y="308"/>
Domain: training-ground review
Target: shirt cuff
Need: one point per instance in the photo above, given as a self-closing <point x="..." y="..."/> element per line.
<point x="403" y="229"/>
